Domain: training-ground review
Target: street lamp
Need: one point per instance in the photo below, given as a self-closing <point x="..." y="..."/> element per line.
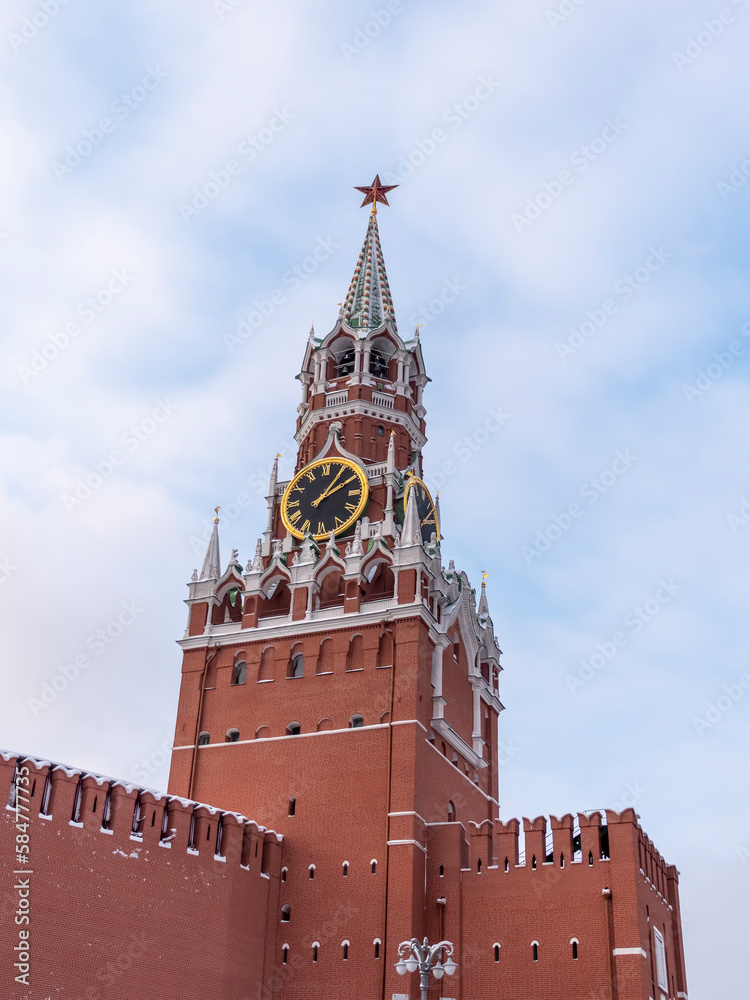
<point x="425" y="957"/>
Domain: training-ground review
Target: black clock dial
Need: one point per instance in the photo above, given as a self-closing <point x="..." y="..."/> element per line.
<point x="327" y="495"/>
<point x="428" y="519"/>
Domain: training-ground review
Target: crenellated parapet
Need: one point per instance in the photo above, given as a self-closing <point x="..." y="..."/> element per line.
<point x="67" y="798"/>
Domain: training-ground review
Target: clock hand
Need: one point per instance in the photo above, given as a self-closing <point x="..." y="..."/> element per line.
<point x="339" y="487"/>
<point x="327" y="490"/>
<point x="428" y="520"/>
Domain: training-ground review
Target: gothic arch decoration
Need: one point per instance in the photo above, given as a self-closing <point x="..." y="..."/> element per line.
<point x="275" y="593"/>
<point x="228" y="598"/>
<point x="378" y="574"/>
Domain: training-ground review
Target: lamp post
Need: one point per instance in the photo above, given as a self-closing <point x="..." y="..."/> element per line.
<point x="425" y="957"/>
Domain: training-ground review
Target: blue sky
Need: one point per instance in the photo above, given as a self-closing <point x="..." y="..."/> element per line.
<point x="606" y="132"/>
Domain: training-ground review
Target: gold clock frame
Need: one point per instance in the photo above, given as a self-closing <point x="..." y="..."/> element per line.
<point x="353" y="518"/>
<point x="415" y="480"/>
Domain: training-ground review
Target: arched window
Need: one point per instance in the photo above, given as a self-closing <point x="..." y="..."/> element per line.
<point x="591" y="860"/>
<point x="331" y="591"/>
<point x="443" y="750"/>
<point x="476" y="777"/>
<point x="285" y="954"/>
<point x="574" y="948"/>
<point x="533" y="862"/>
<point x="265" y="668"/>
<point x="356" y="722"/>
<point x="232" y="735"/>
<point x="286" y="913"/>
<point x="262" y="733"/>
<point x="345" y="869"/>
<point x="381" y="430"/>
<point x="507" y="865"/>
<point x="292" y="806"/>
<point x="345" y="946"/>
<point x="479" y="866"/>
<point x="293" y="729"/>
<point x="442" y="871"/>
<point x="239" y="673"/>
<point x="454" y="759"/>
<point x="297" y="665"/>
<point x="204" y="739"/>
<point x="312" y="871"/>
<point x="496" y="948"/>
<point x="376" y="943"/>
<point x="345" y="363"/>
<point x="325" y="657"/>
<point x="315" y="946"/>
<point x="378" y="368"/>
<point x="373" y="866"/>
<point x="562" y="860"/>
<point x="535" y="950"/>
<point x="283" y="874"/>
<point x="456" y="645"/>
<point x="451" y="812"/>
<point x="354" y="655"/>
<point x="385" y="650"/>
<point x="324" y="724"/>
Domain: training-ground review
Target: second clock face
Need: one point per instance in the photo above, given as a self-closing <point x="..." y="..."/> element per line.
<point x="327" y="495"/>
<point x="428" y="519"/>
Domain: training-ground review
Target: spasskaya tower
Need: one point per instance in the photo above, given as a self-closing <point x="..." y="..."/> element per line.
<point x="342" y="689"/>
<point x="344" y="685"/>
<point x="334" y="781"/>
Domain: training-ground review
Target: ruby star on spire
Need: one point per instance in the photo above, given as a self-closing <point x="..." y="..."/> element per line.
<point x="375" y="193"/>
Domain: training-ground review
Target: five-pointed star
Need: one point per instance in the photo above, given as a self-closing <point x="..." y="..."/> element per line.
<point x="375" y="192"/>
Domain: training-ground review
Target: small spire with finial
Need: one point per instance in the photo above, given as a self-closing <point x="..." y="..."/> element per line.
<point x="216" y="512"/>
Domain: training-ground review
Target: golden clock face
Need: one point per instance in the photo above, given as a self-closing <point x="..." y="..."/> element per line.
<point x="327" y="495"/>
<point x="428" y="519"/>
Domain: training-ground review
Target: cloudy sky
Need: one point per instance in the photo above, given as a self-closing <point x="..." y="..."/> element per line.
<point x="570" y="230"/>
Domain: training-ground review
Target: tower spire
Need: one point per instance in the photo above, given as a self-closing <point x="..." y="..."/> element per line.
<point x="368" y="302"/>
<point x="212" y="563"/>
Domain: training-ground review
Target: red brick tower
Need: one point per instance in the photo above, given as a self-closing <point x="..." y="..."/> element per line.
<point x="344" y="688"/>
